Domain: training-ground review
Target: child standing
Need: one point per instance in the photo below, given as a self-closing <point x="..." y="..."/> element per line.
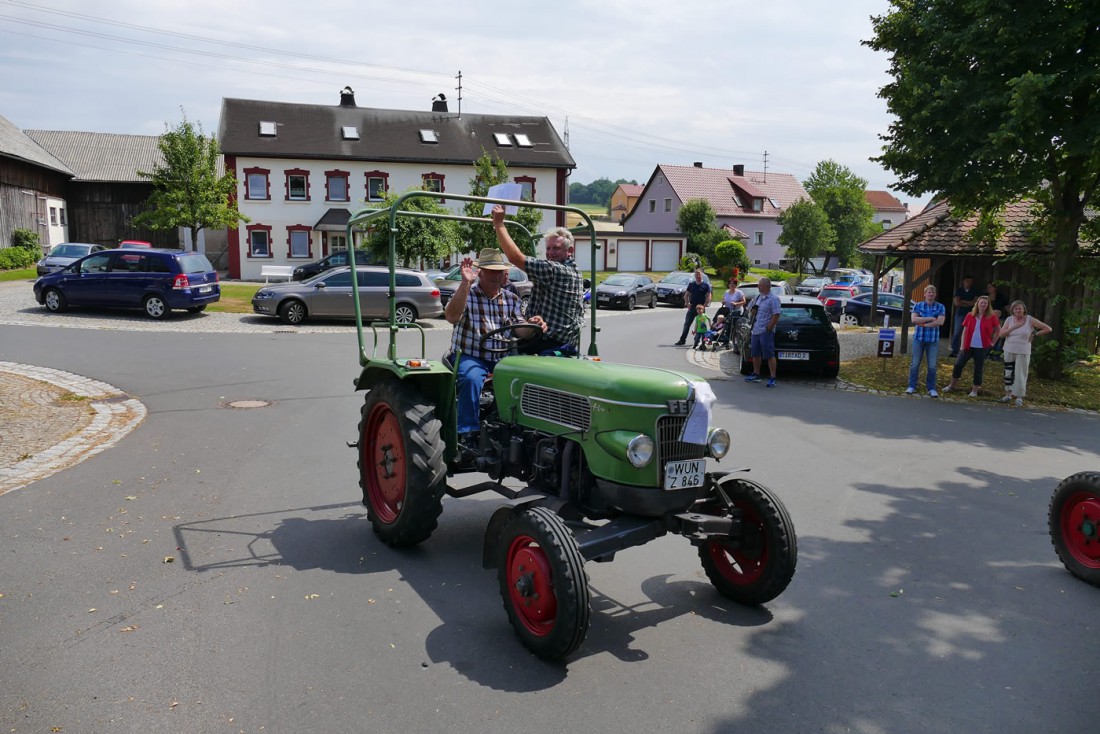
<point x="702" y="322"/>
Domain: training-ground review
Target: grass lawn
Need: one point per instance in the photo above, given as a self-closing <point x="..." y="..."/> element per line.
<point x="24" y="274"/>
<point x="1079" y="389"/>
<point x="236" y="298"/>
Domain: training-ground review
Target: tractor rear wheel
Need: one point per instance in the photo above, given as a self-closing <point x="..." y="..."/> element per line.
<point x="761" y="565"/>
<point x="1074" y="520"/>
<point x="543" y="583"/>
<point x="401" y="467"/>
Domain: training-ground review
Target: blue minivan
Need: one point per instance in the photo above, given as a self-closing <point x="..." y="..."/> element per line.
<point x="156" y="281"/>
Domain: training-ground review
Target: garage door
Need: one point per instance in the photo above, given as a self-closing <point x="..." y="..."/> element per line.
<point x="666" y="256"/>
<point x="632" y="255"/>
<point x="582" y="252"/>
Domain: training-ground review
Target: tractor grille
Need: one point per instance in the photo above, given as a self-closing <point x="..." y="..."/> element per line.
<point x="554" y="406"/>
<point x="669" y="445"/>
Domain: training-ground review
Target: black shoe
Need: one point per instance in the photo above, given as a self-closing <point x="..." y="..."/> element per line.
<point x="681" y="343"/>
<point x="953" y="355"/>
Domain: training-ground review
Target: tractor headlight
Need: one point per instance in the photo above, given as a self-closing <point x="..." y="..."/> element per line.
<point x="719" y="442"/>
<point x="640" y="450"/>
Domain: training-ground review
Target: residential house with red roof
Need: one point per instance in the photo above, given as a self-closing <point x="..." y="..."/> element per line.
<point x="889" y="212"/>
<point x="303" y="168"/>
<point x="747" y="204"/>
<point x="623" y="200"/>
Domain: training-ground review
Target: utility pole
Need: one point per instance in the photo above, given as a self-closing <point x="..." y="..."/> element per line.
<point x="459" y="92"/>
<point x="566" y="141"/>
<point x="765" y="166"/>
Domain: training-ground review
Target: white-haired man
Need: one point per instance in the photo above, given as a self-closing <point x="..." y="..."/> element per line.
<point x="558" y="289"/>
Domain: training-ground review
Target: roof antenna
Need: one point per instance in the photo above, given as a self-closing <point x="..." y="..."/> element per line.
<point x="566" y="141"/>
<point x="765" y="166"/>
<point x="459" y="87"/>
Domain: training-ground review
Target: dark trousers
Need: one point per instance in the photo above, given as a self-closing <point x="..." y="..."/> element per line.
<point x="689" y="317"/>
<point x="965" y="355"/>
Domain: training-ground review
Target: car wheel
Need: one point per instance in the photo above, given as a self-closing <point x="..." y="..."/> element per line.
<point x="155" y="307"/>
<point x="405" y="313"/>
<point x="524" y="302"/>
<point x="196" y="309"/>
<point x="55" y="301"/>
<point x="849" y="319"/>
<point x="1074" y="521"/>
<point x="760" y="563"/>
<point x="631" y="303"/>
<point x="543" y="583"/>
<point x="831" y="371"/>
<point x="293" y="312"/>
<point x="401" y="468"/>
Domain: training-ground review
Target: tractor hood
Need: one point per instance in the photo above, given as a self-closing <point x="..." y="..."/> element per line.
<point x="595" y="381"/>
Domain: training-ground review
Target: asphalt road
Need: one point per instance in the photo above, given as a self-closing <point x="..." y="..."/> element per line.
<point x="214" y="571"/>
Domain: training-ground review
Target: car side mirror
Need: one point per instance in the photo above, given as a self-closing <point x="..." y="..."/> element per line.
<point x="320" y="286"/>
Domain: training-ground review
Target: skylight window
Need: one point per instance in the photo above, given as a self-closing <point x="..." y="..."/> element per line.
<point x="349" y="132"/>
<point x="428" y="136"/>
<point x="774" y="203"/>
<point x="267" y="129"/>
<point x="502" y="139"/>
<point x="737" y="199"/>
<point x="523" y="141"/>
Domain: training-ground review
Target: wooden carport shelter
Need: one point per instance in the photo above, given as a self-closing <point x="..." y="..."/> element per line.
<point x="935" y="248"/>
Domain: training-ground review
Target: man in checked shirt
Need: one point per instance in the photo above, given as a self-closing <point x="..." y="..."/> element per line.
<point x="479" y="305"/>
<point x="558" y="292"/>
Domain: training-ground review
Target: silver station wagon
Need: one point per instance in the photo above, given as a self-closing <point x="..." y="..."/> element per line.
<point x="329" y="296"/>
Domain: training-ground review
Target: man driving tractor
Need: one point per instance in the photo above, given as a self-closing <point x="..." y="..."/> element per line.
<point x="475" y="309"/>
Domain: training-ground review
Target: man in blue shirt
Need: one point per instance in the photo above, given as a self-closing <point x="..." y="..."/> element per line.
<point x="697" y="292"/>
<point x="928" y="317"/>
<point x="965" y="296"/>
<point x="765" y="315"/>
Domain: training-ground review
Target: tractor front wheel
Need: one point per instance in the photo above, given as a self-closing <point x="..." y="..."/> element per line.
<point x="1074" y="520"/>
<point x="759" y="567"/>
<point x="401" y="468"/>
<point x="543" y="583"/>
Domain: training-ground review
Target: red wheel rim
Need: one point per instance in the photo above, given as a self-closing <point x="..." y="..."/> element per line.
<point x="1080" y="524"/>
<point x="744" y="565"/>
<point x="530" y="586"/>
<point x="383" y="459"/>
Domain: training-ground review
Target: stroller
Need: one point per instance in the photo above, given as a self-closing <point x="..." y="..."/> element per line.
<point x="721" y="340"/>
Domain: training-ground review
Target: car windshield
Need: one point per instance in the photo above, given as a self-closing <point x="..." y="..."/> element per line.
<point x="65" y="250"/>
<point x="800" y="315"/>
<point x="677" y="278"/>
<point x="619" y="280"/>
<point x="813" y="281"/>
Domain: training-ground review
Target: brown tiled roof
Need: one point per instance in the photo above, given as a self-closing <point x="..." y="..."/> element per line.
<point x="735" y="232"/>
<point x="935" y="232"/>
<point x="716" y="186"/>
<point x="632" y="189"/>
<point x="315" y="132"/>
<point x="884" y="201"/>
<point x="14" y="143"/>
<point x="101" y="156"/>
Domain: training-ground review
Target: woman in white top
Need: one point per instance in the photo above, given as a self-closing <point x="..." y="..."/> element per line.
<point x="1018" y="331"/>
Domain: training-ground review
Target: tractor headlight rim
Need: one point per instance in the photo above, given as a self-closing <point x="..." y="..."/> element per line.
<point x="718" y="443"/>
<point x="640" y="450"/>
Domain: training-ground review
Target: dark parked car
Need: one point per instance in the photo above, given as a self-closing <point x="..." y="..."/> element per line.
<point x="627" y="290"/>
<point x="812" y="286"/>
<point x="338" y="259"/>
<point x="329" y="296"/>
<point x="670" y="289"/>
<point x="857" y="311"/>
<point x="65" y="254"/>
<point x="153" y="280"/>
<point x="517" y="279"/>
<point x="804" y="338"/>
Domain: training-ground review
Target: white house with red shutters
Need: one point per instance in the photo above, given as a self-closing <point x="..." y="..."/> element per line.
<point x="302" y="169"/>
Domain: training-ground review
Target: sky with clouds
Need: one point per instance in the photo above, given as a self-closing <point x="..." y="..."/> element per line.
<point x="635" y="83"/>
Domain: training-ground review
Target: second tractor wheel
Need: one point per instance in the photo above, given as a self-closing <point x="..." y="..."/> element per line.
<point x="401" y="467"/>
<point x="1074" y="520"/>
<point x="543" y="583"/>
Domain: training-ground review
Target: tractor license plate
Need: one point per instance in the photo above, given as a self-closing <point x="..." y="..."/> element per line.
<point x="680" y="474"/>
<point x="794" y="355"/>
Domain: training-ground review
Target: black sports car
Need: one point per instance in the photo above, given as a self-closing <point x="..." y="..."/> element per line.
<point x="626" y="290"/>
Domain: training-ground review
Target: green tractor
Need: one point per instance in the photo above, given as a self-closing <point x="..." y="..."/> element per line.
<point x="606" y="456"/>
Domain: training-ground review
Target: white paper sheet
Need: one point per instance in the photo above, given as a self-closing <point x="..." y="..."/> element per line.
<point x="512" y="191"/>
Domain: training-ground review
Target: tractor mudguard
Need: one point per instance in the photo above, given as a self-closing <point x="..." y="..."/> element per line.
<point x="499" y="519"/>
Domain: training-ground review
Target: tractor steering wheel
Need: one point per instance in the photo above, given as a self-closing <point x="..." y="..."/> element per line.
<point x="535" y="330"/>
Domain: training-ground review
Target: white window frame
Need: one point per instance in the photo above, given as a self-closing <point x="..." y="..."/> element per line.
<point x="290" y="187"/>
<point x="668" y="204"/>
<point x="257" y="183"/>
<point x="299" y="243"/>
<point x="652" y="205"/>
<point x="381" y="188"/>
<point x="344" y="181"/>
<point x="758" y="237"/>
<point x="252" y="250"/>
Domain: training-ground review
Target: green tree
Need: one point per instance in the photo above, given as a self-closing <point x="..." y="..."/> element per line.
<point x="996" y="102"/>
<point x="730" y="254"/>
<point x="490" y="171"/>
<point x="418" y="238"/>
<point x="842" y="196"/>
<point x="187" y="190"/>
<point x="806" y="232"/>
<point x="696" y="219"/>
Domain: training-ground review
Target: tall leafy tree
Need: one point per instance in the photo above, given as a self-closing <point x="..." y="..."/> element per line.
<point x="995" y="102"/>
<point x="841" y="195"/>
<point x="418" y="238"/>
<point x="490" y="171"/>
<point x="806" y="232"/>
<point x="696" y="219"/>
<point x="187" y="190"/>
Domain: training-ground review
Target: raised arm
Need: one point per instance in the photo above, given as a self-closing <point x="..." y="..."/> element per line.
<point x="507" y="245"/>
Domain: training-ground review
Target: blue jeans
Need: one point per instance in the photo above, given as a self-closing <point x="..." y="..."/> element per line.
<point x="472" y="372"/>
<point x="957" y="332"/>
<point x="920" y="350"/>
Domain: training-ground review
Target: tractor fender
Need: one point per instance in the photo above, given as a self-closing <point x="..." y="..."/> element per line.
<point x="501" y="516"/>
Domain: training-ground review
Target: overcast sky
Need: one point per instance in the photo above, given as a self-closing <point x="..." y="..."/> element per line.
<point x="634" y="83"/>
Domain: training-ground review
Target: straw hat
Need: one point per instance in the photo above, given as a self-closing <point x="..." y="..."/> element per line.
<point x="492" y="259"/>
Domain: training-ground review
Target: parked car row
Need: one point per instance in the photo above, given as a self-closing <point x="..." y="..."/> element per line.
<point x="856" y="311"/>
<point x="517" y="280"/>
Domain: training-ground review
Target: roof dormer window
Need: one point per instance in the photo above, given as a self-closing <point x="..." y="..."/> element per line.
<point x="267" y="129"/>
<point x="349" y="132"/>
<point x="428" y="136"/>
<point x="502" y="139"/>
<point x="757" y="204"/>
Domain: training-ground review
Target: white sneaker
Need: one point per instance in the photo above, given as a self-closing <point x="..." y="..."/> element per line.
<point x="973" y="394"/>
<point x="933" y="394"/>
<point x="1019" y="402"/>
<point x="1006" y="399"/>
<point x="909" y="391"/>
<point x="948" y="389"/>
